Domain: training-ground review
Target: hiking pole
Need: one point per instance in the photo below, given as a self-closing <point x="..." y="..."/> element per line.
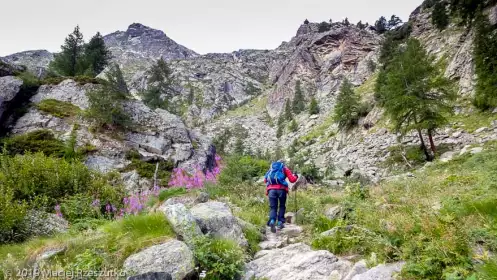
<point x="295" y="187"/>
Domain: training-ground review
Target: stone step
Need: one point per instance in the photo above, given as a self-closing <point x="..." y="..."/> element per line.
<point x="281" y="238"/>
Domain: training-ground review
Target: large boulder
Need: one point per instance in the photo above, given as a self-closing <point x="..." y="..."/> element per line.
<point x="67" y="91"/>
<point x="172" y="257"/>
<point x="182" y="221"/>
<point x="7" y="69"/>
<point x="216" y="218"/>
<point x="381" y="272"/>
<point x="9" y="88"/>
<point x="295" y="262"/>
<point x="38" y="223"/>
<point x="35" y="61"/>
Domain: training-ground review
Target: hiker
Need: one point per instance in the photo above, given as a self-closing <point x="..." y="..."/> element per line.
<point x="210" y="162"/>
<point x="276" y="190"/>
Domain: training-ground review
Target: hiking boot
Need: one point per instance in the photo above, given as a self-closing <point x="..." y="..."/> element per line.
<point x="281" y="225"/>
<point x="272" y="225"/>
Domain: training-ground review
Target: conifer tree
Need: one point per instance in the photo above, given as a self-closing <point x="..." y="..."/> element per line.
<point x="346" y="22"/>
<point x="381" y="25"/>
<point x="298" y="101"/>
<point x="293" y="126"/>
<point x="97" y="56"/>
<point x="417" y="95"/>
<point x="239" y="147"/>
<point x="346" y="112"/>
<point x="485" y="56"/>
<point x="69" y="61"/>
<point x="394" y="22"/>
<point x="292" y="150"/>
<point x="314" y="107"/>
<point x="116" y="80"/>
<point x="281" y="123"/>
<point x="160" y="84"/>
<point x="439" y="16"/>
<point x="288" y="110"/>
<point x="360" y="25"/>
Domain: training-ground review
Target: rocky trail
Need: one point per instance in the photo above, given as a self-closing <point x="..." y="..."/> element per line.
<point x="282" y="256"/>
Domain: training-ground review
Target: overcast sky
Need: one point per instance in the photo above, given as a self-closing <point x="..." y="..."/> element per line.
<point x="202" y="25"/>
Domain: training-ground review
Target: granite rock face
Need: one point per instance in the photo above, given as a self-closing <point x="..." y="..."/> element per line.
<point x="35" y="61"/>
<point x="9" y="88"/>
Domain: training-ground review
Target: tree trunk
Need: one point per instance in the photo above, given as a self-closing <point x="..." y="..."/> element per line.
<point x="429" y="157"/>
<point x="432" y="143"/>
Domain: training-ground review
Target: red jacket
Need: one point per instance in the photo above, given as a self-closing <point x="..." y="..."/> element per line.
<point x="291" y="177"/>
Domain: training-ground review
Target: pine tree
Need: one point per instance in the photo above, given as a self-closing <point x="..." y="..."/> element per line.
<point x="324" y="27"/>
<point x="97" y="56"/>
<point x="381" y="25"/>
<point x="281" y="124"/>
<point x="69" y="61"/>
<point x="239" y="148"/>
<point x="278" y="153"/>
<point x="288" y="111"/>
<point x="346" y="22"/>
<point x="394" y="22"/>
<point x="116" y="81"/>
<point x="485" y="56"/>
<point x="292" y="150"/>
<point x="314" y="107"/>
<point x="346" y="112"/>
<point x="360" y="25"/>
<point x="298" y="101"/>
<point x="293" y="126"/>
<point x="160" y="84"/>
<point x="306" y="21"/>
<point x="417" y="95"/>
<point x="439" y="16"/>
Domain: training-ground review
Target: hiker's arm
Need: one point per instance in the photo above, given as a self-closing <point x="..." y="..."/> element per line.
<point x="291" y="177"/>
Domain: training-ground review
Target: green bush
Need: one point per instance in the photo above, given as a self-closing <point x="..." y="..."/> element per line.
<point x="35" y="176"/>
<point x="220" y="258"/>
<point x="107" y="109"/>
<point x="36" y="141"/>
<point x="242" y="168"/>
<point x="58" y="108"/>
<point x="171" y="192"/>
<point x="12" y="213"/>
<point x="78" y="207"/>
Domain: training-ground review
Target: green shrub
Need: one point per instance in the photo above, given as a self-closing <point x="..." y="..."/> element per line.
<point x="242" y="168"/>
<point x="36" y="141"/>
<point x="12" y="213"/>
<point x="34" y="176"/>
<point x="107" y="109"/>
<point x="89" y="260"/>
<point x="220" y="258"/>
<point x="78" y="207"/>
<point x="58" y="108"/>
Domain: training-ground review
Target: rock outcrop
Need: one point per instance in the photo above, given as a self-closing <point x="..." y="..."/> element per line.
<point x="172" y="257"/>
<point x="35" y="61"/>
<point x="294" y="262"/>
<point x="182" y="221"/>
<point x="9" y="88"/>
<point x="139" y="46"/>
<point x="216" y="218"/>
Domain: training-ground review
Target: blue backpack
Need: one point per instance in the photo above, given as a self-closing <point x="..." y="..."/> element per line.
<point x="275" y="175"/>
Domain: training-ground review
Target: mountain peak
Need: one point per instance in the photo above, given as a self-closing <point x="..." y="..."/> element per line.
<point x="138" y="29"/>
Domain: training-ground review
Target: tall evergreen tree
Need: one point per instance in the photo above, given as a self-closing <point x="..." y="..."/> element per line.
<point x="346" y="22"/>
<point x="417" y="95"/>
<point x="314" y="107"/>
<point x="439" y="16"/>
<point x="324" y="27"/>
<point x="239" y="147"/>
<point x="288" y="110"/>
<point x="394" y="22"/>
<point x="381" y="25"/>
<point x="293" y="126"/>
<point x="485" y="56"/>
<point x="97" y="56"/>
<point x="360" y="25"/>
<point x="116" y="80"/>
<point x="70" y="60"/>
<point x="346" y="112"/>
<point x="298" y="101"/>
<point x="160" y="86"/>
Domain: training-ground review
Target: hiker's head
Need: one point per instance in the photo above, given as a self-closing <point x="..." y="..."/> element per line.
<point x="282" y="161"/>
